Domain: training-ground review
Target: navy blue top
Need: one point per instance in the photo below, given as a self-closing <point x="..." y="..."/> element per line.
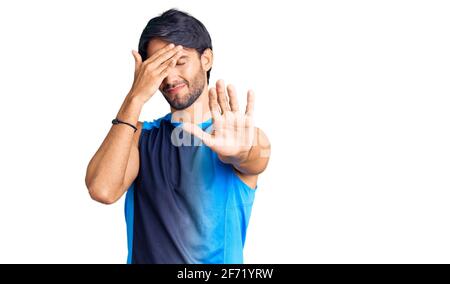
<point x="185" y="205"/>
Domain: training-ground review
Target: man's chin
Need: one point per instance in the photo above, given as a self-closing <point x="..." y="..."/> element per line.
<point x="177" y="104"/>
<point x="181" y="101"/>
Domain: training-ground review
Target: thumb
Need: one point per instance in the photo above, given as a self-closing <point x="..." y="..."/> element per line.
<point x="198" y="132"/>
<point x="137" y="60"/>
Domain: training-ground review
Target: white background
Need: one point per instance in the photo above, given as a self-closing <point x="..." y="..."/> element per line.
<point x="354" y="96"/>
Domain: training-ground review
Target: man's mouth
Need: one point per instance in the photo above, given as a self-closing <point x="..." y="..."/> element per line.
<point x="176" y="88"/>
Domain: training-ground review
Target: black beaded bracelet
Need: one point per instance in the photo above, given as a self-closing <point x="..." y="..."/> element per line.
<point x="116" y="121"/>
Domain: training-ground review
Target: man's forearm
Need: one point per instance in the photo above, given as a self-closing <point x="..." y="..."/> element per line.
<point x="106" y="169"/>
<point x="130" y="109"/>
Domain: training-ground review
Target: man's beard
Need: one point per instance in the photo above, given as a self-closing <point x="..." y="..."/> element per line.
<point x="198" y="84"/>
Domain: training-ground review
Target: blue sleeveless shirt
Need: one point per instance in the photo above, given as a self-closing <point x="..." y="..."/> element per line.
<point x="185" y="205"/>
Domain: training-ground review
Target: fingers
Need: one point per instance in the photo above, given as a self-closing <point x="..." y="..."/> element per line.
<point x="213" y="105"/>
<point x="222" y="96"/>
<point x="137" y="60"/>
<point x="227" y="100"/>
<point x="166" y="71"/>
<point x="165" y="67"/>
<point x="233" y="98"/>
<point x="250" y="103"/>
<point x="198" y="132"/>
<point x="166" y="56"/>
<point x="159" y="52"/>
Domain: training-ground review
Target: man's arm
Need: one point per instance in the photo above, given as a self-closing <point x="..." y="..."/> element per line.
<point x="249" y="165"/>
<point x="255" y="161"/>
<point x="235" y="139"/>
<point x="115" y="165"/>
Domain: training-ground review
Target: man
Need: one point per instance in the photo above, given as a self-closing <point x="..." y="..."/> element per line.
<point x="189" y="198"/>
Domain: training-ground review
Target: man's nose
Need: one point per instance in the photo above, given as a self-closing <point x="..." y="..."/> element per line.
<point x="172" y="76"/>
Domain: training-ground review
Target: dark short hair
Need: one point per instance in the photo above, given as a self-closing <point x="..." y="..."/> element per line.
<point x="179" y="28"/>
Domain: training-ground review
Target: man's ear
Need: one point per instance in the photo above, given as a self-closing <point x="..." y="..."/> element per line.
<point x="207" y="59"/>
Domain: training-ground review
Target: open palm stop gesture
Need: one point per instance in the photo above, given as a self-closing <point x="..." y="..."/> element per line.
<point x="233" y="131"/>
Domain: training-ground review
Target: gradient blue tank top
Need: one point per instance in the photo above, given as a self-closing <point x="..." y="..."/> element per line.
<point x="185" y="205"/>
